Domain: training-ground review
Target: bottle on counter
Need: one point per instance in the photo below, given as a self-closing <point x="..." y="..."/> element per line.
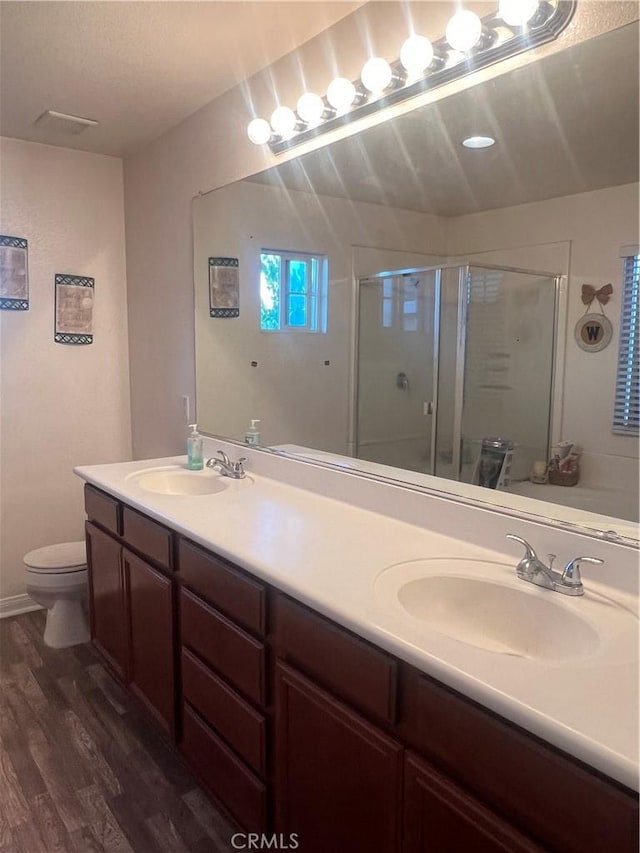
<point x="252" y="435"/>
<point x="194" y="449"/>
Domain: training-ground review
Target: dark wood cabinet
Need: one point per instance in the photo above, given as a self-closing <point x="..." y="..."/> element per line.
<point x="225" y="719"/>
<point x="107" y="601"/>
<point x="241" y="792"/>
<point x="151" y="663"/>
<point x="132" y="602"/>
<point x="547" y="794"/>
<point x="225" y="648"/>
<point x="232" y="592"/>
<point x="338" y="778"/>
<point x="299" y="726"/>
<point x="440" y="817"/>
<point x="349" y="667"/>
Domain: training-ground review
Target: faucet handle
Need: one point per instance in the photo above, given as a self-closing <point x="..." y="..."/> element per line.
<point x="571" y="572"/>
<point x="238" y="466"/>
<point x="530" y="554"/>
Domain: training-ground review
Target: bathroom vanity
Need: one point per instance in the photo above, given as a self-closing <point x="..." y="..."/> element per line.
<point x="254" y="620"/>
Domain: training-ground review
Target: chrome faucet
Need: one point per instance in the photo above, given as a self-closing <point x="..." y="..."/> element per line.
<point x="235" y="470"/>
<point x="533" y="570"/>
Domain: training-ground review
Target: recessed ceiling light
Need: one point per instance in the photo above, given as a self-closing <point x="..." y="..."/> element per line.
<point x="478" y="142"/>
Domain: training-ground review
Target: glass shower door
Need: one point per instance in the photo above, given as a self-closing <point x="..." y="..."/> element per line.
<point x="397" y="363"/>
<point x="508" y="367"/>
<point x="498" y="368"/>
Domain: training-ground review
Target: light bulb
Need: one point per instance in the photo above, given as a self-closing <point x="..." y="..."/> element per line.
<point x="416" y="55"/>
<point x="341" y="94"/>
<point x="310" y="108"/>
<point x="376" y="75"/>
<point x="464" y="30"/>
<point x="259" y="131"/>
<point x="283" y="121"/>
<point x="516" y="13"/>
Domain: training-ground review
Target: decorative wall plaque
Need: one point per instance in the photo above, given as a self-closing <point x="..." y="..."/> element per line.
<point x="593" y="332"/>
<point x="224" y="288"/>
<point x="74" y="309"/>
<point x="14" y="275"/>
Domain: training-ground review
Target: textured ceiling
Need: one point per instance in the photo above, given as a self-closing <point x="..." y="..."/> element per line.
<point x="563" y="125"/>
<point x="139" y="68"/>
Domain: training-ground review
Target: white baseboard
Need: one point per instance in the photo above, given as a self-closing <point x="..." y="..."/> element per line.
<point x="15" y="604"/>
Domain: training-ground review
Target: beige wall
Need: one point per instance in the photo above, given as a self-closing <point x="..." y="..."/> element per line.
<point x="210" y="149"/>
<point x="61" y="405"/>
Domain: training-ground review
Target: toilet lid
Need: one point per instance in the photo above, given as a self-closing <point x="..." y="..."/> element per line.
<point x="64" y="557"/>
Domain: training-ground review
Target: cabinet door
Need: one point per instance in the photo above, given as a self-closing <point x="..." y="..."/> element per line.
<point x="109" y="631"/>
<point x="338" y="778"/>
<point x="151" y="667"/>
<point x="441" y="818"/>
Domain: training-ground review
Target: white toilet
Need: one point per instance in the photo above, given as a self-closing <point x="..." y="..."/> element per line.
<point x="57" y="579"/>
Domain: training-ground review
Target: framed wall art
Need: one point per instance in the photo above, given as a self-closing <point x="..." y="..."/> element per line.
<point x="593" y="332"/>
<point x="224" y="288"/>
<point x="74" y="309"/>
<point x="14" y="274"/>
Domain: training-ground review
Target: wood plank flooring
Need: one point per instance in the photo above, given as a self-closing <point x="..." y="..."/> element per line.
<point x="81" y="768"/>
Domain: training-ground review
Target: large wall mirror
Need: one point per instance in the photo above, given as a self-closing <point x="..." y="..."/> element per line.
<point x="403" y="298"/>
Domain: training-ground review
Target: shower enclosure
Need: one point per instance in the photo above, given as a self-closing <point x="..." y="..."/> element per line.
<point x="447" y="356"/>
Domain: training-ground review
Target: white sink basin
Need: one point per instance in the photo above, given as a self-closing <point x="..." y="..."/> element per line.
<point x="498" y="618"/>
<point x="483" y="604"/>
<point x="180" y="481"/>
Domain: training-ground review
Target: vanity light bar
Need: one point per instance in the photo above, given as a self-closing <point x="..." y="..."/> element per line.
<point x="470" y="43"/>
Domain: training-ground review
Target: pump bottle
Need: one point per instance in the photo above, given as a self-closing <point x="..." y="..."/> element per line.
<point x="252" y="436"/>
<point x="194" y="449"/>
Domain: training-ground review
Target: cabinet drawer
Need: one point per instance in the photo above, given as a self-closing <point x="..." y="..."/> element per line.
<point x="103" y="509"/>
<point x="353" y="669"/>
<point x="550" y="796"/>
<point x="220" y="706"/>
<point x="224" y="775"/>
<point x="229" y="590"/>
<point x="224" y="647"/>
<point x="148" y="537"/>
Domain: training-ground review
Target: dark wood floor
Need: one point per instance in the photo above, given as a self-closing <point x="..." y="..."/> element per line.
<point x="81" y="769"/>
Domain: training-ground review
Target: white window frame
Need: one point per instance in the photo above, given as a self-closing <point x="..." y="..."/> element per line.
<point x="398" y="308"/>
<point x="626" y="418"/>
<point x="316" y="295"/>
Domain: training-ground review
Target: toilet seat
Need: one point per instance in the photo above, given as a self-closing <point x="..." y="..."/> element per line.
<point x="65" y="557"/>
<point x="56" y="578"/>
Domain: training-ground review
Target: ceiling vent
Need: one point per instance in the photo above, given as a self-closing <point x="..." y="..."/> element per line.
<point x="63" y="123"/>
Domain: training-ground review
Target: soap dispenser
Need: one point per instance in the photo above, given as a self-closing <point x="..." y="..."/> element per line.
<point x="252" y="436"/>
<point x="194" y="449"/>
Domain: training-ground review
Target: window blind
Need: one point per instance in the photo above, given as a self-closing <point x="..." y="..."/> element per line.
<point x="626" y="415"/>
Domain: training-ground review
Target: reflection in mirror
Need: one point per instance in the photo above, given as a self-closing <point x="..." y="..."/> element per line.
<point x="444" y="360"/>
<point x="393" y="312"/>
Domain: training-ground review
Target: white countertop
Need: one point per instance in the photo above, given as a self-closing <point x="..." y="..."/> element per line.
<point x="328" y="554"/>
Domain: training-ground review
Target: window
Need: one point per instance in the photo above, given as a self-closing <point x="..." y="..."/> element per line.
<point x="626" y="413"/>
<point x="400" y="303"/>
<point x="293" y="292"/>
